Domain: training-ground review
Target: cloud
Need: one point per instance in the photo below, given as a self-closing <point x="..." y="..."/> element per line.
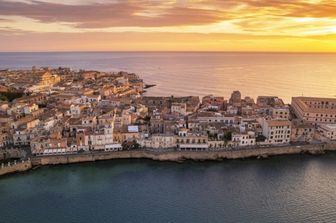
<point x="93" y="14"/>
<point x="180" y="24"/>
<point x="117" y="14"/>
<point x="131" y="41"/>
<point x="6" y="20"/>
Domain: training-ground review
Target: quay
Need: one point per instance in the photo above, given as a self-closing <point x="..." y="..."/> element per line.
<point x="166" y="155"/>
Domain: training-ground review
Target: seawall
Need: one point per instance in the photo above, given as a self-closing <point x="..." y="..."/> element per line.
<point x="178" y="156"/>
<point x="21" y="166"/>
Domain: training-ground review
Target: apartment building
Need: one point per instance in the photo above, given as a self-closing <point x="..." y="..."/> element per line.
<point x="276" y="131"/>
<point x="315" y="110"/>
<point x="328" y="131"/>
<point x="244" y="139"/>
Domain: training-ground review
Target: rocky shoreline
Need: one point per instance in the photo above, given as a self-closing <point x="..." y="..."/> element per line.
<point x="173" y="156"/>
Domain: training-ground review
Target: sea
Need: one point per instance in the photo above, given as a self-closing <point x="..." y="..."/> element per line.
<point x="297" y="188"/>
<point x="194" y="73"/>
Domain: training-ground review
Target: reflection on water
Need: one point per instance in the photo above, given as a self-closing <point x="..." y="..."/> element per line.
<point x="254" y="74"/>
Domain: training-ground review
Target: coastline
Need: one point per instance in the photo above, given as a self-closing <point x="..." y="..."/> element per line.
<point x="173" y="156"/>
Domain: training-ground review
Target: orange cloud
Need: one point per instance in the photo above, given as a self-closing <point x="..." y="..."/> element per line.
<point x="131" y="41"/>
<point x="123" y="13"/>
<point x="230" y="25"/>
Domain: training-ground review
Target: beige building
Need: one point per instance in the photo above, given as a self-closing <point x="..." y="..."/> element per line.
<point x="160" y="141"/>
<point x="5" y="139"/>
<point x="302" y="132"/>
<point x="28" y="109"/>
<point x="101" y="140"/>
<point x="21" y="138"/>
<point x="244" y="139"/>
<point x="191" y="141"/>
<point x="121" y="137"/>
<point x="280" y="113"/>
<point x="40" y="81"/>
<point x="46" y="78"/>
<point x="49" y="146"/>
<point x="315" y="110"/>
<point x="328" y="131"/>
<point x="276" y="131"/>
<point x="235" y="98"/>
<point x="216" y="144"/>
<point x="179" y="108"/>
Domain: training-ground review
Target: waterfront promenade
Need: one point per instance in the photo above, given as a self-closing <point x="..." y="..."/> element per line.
<point x="167" y="155"/>
<point x="178" y="156"/>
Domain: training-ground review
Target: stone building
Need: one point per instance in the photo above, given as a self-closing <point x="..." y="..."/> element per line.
<point x="315" y="110"/>
<point x="276" y="131"/>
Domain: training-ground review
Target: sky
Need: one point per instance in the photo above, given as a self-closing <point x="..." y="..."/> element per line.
<point x="180" y="25"/>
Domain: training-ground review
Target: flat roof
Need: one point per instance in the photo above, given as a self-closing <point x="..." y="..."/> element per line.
<point x="329" y="126"/>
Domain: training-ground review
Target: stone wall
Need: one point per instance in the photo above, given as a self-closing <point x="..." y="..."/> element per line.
<point x="184" y="155"/>
<point x="13" y="167"/>
<point x="11" y="154"/>
<point x="176" y="156"/>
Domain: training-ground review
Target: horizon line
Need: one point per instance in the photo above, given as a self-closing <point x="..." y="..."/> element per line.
<point x="169" y="51"/>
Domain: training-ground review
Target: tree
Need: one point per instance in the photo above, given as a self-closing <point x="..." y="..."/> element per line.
<point x="135" y="145"/>
<point x="260" y="138"/>
<point x="227" y="136"/>
<point x="147" y="119"/>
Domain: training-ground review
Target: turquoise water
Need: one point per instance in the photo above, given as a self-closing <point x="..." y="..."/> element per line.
<point x="280" y="189"/>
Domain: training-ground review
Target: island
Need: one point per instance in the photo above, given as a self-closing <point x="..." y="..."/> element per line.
<point x="52" y="116"/>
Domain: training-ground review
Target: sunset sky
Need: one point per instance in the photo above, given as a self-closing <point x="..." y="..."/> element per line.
<point x="181" y="25"/>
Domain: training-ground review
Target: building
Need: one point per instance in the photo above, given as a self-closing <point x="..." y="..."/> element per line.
<point x="276" y="131"/>
<point x="46" y="78"/>
<point x="179" y="108"/>
<point x="315" y="110"/>
<point x="209" y="117"/>
<point x="280" y="113"/>
<point x="243" y="139"/>
<point x="108" y="90"/>
<point x="213" y="103"/>
<point x="191" y="141"/>
<point x="39" y="81"/>
<point x="328" y="131"/>
<point x="5" y="139"/>
<point x="302" y="132"/>
<point x="49" y="146"/>
<point x="269" y="101"/>
<point x="103" y="137"/>
<point x="159" y="141"/>
<point x="21" y="138"/>
<point x="235" y="98"/>
<point x="75" y="110"/>
<point x="28" y="109"/>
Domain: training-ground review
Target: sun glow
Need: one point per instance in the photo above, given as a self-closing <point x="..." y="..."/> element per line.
<point x="242" y="25"/>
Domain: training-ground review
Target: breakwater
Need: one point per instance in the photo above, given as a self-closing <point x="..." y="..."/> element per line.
<point x="176" y="156"/>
